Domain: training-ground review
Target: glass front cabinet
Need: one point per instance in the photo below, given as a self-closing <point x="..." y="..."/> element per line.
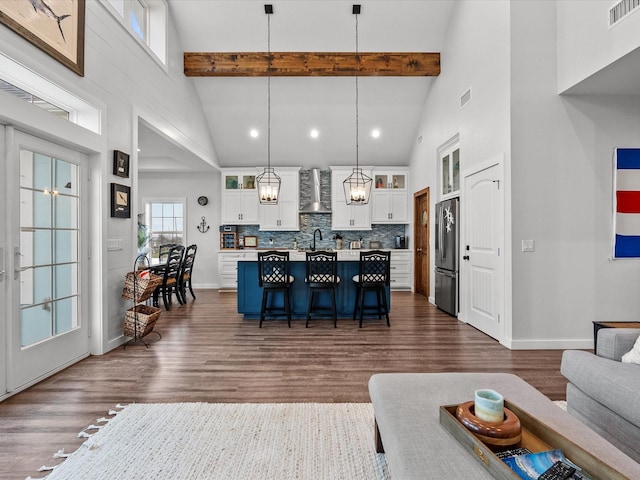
<point x="240" y="197"/>
<point x="389" y="196"/>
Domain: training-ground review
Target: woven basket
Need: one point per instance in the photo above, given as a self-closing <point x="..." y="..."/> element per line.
<point x="144" y="286"/>
<point x="144" y="316"/>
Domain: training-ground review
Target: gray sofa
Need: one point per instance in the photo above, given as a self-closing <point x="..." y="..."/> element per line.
<point x="603" y="392"/>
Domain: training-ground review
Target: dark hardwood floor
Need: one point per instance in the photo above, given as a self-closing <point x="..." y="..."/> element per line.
<point x="208" y="353"/>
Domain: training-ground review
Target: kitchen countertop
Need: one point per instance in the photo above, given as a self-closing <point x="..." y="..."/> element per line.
<point x="300" y="255"/>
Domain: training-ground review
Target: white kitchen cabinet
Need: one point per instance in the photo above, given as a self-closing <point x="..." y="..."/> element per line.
<point x="343" y="216"/>
<point x="390" y="196"/>
<point x="239" y="200"/>
<point x="228" y="267"/>
<point x="284" y="215"/>
<point x="400" y="269"/>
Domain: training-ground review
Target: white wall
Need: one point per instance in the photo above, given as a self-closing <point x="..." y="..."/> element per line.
<point x="130" y="83"/>
<point x="586" y="44"/>
<point x="164" y="186"/>
<point x="562" y="174"/>
<point x="476" y="56"/>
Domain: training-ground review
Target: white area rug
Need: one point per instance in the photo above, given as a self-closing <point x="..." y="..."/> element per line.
<point x="230" y="441"/>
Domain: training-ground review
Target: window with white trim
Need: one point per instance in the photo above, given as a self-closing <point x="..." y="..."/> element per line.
<point x="165" y="224"/>
<point x="145" y="20"/>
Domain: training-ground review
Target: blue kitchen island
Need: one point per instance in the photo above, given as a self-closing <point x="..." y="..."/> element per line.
<point x="250" y="294"/>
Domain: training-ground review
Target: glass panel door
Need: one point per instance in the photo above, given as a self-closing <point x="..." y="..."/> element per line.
<point x="47" y="328"/>
<point x="49" y="209"/>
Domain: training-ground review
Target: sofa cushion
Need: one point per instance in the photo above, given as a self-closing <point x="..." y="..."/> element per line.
<point x="613" y="384"/>
<point x="633" y="355"/>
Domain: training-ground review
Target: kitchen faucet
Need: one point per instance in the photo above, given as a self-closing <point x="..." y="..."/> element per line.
<point x="317" y="230"/>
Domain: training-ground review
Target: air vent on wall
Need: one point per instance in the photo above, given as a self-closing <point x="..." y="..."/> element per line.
<point x="465" y="98"/>
<point x="621" y="9"/>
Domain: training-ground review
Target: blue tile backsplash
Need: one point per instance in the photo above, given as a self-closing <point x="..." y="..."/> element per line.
<point x="385" y="234"/>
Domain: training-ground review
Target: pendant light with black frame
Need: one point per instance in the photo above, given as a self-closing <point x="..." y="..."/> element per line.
<point x="357" y="186"/>
<point x="268" y="182"/>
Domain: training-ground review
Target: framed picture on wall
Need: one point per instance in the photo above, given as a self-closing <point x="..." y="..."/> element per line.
<point x="120" y="164"/>
<point x="120" y="201"/>
<point x="55" y="27"/>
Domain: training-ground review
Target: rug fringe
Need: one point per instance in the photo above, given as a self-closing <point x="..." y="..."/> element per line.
<point x="82" y="434"/>
<point x="44" y="468"/>
<point x="61" y="454"/>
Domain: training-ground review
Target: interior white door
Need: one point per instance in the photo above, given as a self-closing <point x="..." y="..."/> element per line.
<point x="4" y="309"/>
<point x="482" y="256"/>
<point x="48" y="327"/>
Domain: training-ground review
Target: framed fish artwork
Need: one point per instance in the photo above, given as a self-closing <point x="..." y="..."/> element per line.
<point x="54" y="26"/>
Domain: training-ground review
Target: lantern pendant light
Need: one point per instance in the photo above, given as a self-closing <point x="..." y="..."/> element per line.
<point x="357" y="186"/>
<point x="268" y="182"/>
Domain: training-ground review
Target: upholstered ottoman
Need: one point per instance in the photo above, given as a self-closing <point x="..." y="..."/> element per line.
<point x="406" y="407"/>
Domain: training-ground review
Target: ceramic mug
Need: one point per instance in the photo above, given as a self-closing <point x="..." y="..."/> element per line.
<point x="489" y="405"/>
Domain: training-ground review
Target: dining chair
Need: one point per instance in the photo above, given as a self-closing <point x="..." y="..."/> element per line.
<point x="184" y="278"/>
<point x="163" y="251"/>
<point x="322" y="276"/>
<point x="170" y="276"/>
<point x="374" y="271"/>
<point x="274" y="277"/>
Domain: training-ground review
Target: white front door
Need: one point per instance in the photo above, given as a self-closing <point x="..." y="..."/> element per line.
<point x="48" y="326"/>
<point x="482" y="257"/>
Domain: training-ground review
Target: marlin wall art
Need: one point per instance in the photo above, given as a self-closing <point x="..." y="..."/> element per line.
<point x="40" y="6"/>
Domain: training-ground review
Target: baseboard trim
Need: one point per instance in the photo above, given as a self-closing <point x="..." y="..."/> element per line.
<point x="550" y="344"/>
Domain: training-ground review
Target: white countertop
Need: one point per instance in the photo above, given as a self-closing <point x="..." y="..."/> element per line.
<point x="300" y="255"/>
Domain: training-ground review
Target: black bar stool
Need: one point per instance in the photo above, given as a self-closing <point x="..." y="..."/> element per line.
<point x="374" y="271"/>
<point x="274" y="276"/>
<point x="322" y="276"/>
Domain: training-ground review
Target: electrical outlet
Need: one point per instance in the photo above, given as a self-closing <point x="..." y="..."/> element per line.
<point x="528" y="246"/>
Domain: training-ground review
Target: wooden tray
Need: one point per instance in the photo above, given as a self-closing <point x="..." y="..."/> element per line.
<point x="536" y="436"/>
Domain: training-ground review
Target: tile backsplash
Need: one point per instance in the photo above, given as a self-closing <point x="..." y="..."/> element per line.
<point x="385" y="234"/>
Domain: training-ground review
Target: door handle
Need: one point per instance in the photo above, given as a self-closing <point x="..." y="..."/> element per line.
<point x="418" y="249"/>
<point x="466" y="257"/>
<point x="16" y="261"/>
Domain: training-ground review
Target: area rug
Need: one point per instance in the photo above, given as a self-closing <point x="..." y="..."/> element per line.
<point x="242" y="441"/>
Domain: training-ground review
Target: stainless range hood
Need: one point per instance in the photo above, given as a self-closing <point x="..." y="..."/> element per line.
<point x="314" y="205"/>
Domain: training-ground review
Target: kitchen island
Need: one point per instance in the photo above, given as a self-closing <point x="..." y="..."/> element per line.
<point x="250" y="294"/>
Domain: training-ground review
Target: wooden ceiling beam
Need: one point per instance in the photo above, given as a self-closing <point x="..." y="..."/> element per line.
<point x="311" y="64"/>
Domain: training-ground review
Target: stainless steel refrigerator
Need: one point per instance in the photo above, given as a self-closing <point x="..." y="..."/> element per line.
<point x="446" y="250"/>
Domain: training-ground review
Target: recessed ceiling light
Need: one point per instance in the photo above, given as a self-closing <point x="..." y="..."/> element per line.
<point x="375" y="133"/>
<point x="254" y="133"/>
<point x="314" y="133"/>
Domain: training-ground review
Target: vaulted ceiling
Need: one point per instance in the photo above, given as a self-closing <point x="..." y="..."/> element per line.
<point x="235" y="105"/>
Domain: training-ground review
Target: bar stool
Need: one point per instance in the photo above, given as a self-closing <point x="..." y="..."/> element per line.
<point x="374" y="271"/>
<point x="274" y="276"/>
<point x="322" y="276"/>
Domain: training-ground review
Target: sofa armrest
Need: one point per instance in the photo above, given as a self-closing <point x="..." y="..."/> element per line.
<point x="612" y="384"/>
<point x="613" y="343"/>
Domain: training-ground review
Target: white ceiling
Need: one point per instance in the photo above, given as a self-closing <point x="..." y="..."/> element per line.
<point x="394" y="105"/>
<point x="233" y="105"/>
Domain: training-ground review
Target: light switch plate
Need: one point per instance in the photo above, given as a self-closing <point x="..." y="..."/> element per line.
<point x="528" y="246"/>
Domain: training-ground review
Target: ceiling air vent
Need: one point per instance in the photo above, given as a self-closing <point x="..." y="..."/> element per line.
<point x="621" y="9"/>
<point x="466" y="97"/>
